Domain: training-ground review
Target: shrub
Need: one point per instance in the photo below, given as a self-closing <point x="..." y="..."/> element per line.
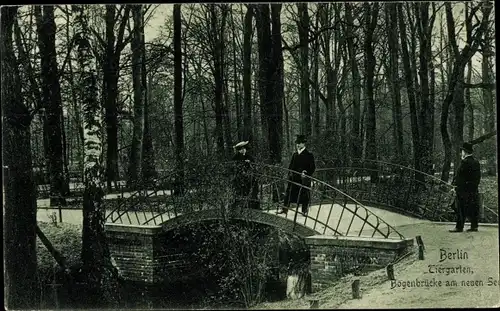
<point x="66" y="238"/>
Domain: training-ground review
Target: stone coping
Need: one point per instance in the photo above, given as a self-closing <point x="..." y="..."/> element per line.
<point x="452" y="223"/>
<point x="354" y="241"/>
<point x="141" y="229"/>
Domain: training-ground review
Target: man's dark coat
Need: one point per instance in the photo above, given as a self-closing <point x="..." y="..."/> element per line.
<point x="467" y="181"/>
<point x="299" y="163"/>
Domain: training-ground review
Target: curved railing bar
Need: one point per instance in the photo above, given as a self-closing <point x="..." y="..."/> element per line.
<point x="340" y="168"/>
<point x="390" y="164"/>
<point x="424" y="207"/>
<point x="134" y="194"/>
<point x="357" y="203"/>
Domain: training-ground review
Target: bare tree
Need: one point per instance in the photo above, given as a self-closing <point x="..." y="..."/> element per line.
<point x="305" y="103"/>
<point x="357" y="141"/>
<point x="95" y="253"/>
<point x="264" y="52"/>
<point x="178" y="101"/>
<point x="393" y="74"/>
<point x="21" y="286"/>
<point x="137" y="43"/>
<point x="275" y="90"/>
<point x="51" y="97"/>
<point x="410" y="88"/>
<point x="247" y="73"/>
<point x="455" y="92"/>
<point x="111" y="71"/>
<point x="424" y="29"/>
<point x="371" y="15"/>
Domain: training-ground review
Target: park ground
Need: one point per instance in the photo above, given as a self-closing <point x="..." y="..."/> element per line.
<point x="482" y="248"/>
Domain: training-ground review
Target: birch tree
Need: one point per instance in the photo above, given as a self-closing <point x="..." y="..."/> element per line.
<point x="95" y="253"/>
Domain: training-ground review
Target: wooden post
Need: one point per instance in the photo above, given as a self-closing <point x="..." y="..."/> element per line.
<point x="390" y="271"/>
<point x="55" y="288"/>
<point x="60" y="212"/>
<point x="313" y="303"/>
<point x="421" y="252"/>
<point x="420" y="242"/>
<point x="481" y="206"/>
<point x="355" y="289"/>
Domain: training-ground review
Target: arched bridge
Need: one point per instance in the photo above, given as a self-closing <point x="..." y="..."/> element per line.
<point x="209" y="195"/>
<point x="337" y="225"/>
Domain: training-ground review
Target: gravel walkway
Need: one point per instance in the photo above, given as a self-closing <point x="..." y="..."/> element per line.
<point x="472" y="289"/>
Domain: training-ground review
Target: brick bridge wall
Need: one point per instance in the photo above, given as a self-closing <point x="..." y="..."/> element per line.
<point x="143" y="254"/>
<point x="335" y="256"/>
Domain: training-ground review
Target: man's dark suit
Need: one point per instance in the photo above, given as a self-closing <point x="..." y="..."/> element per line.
<point x="295" y="193"/>
<point x="467" y="181"/>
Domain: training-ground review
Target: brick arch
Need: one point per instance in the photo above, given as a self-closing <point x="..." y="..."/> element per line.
<point x="244" y="214"/>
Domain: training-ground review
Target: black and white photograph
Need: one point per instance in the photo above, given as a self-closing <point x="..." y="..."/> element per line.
<point x="279" y="155"/>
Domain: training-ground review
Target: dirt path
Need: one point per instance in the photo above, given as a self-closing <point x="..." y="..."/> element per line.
<point x="482" y="250"/>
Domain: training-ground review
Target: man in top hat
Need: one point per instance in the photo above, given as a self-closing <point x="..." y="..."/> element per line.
<point x="466" y="182"/>
<point x="303" y="164"/>
<point x="244" y="183"/>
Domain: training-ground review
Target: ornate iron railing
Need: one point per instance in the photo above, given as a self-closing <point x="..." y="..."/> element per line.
<point x="76" y="186"/>
<point x="394" y="187"/>
<point x="212" y="186"/>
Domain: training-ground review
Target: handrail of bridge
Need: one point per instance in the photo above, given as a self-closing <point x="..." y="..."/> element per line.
<point x="396" y="188"/>
<point x="396" y="165"/>
<point x="346" y="197"/>
<point x="270" y="182"/>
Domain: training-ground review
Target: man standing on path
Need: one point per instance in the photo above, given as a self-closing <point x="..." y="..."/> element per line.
<point x="303" y="163"/>
<point x="466" y="182"/>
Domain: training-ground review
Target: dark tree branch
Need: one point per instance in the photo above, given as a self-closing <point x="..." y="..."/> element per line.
<point x="312" y="39"/>
<point x="488" y="86"/>
<point x="98" y="36"/>
<point x="120" y="43"/>
<point x="480" y="139"/>
<point x="451" y="29"/>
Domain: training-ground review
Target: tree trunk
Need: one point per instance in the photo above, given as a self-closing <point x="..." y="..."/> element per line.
<point x="111" y="74"/>
<point x="393" y="74"/>
<point x="324" y="16"/>
<point x="264" y="47"/>
<point x="413" y="50"/>
<point x="96" y="258"/>
<point x="410" y="89"/>
<point x="357" y="140"/>
<point x="426" y="110"/>
<point x="135" y="160"/>
<point x="333" y="76"/>
<point x="21" y="285"/>
<point x="148" y="157"/>
<point x="247" y="74"/>
<point x="305" y="104"/>
<point x="178" y="102"/>
<point x="371" y="15"/>
<point x="218" y="80"/>
<point x="51" y="94"/>
<point x="468" y="103"/>
<point x="236" y="82"/>
<point x="488" y="96"/>
<point x="315" y="96"/>
<point x="275" y="91"/>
